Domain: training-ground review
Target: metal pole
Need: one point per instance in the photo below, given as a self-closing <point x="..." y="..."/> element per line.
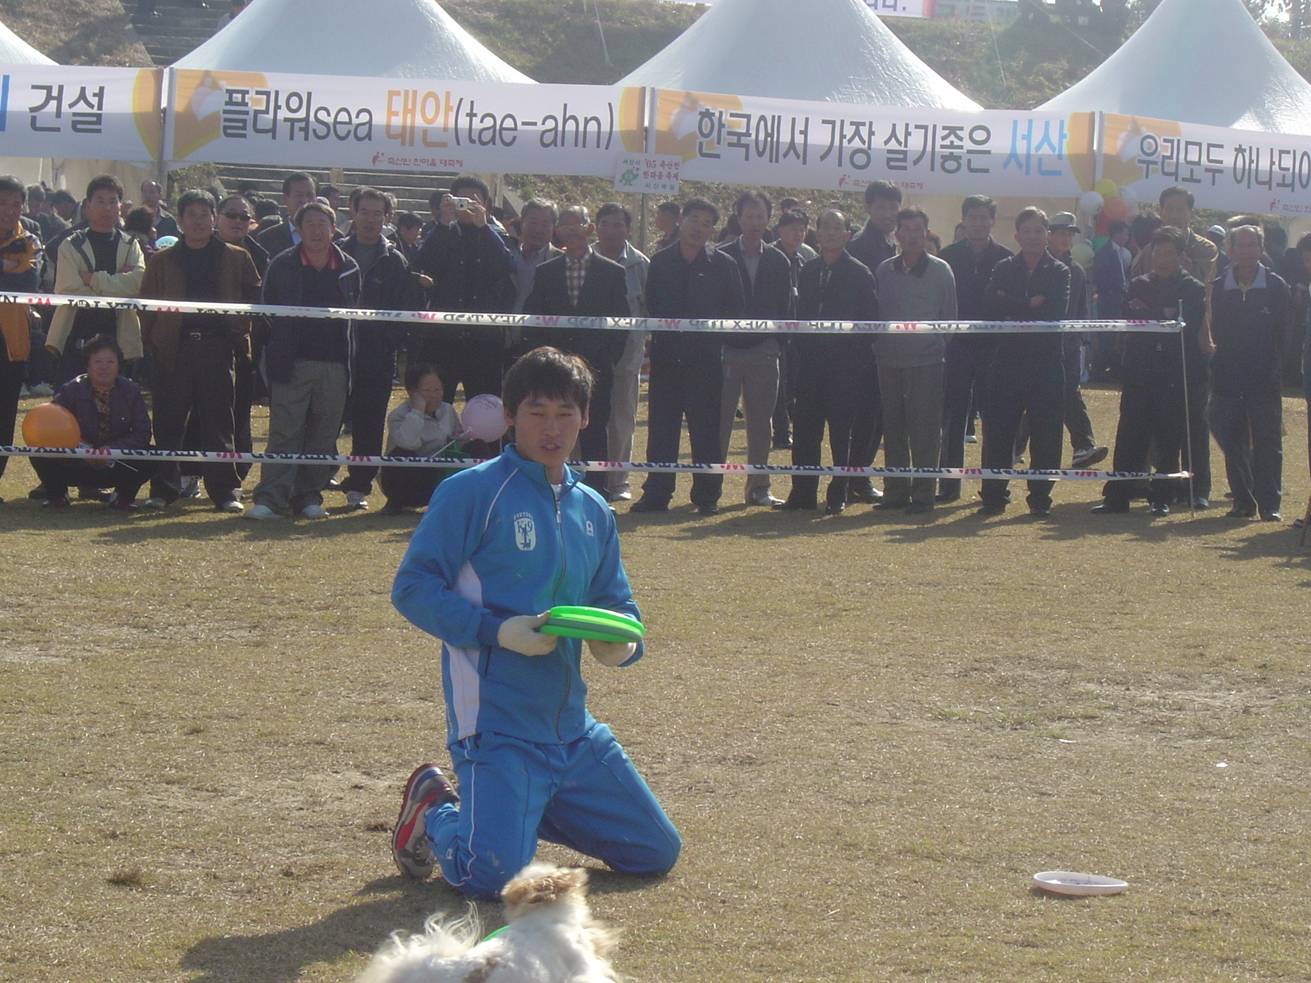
<point x="641" y="233"/>
<point x="161" y="165"/>
<point x="1188" y="423"/>
<point x="648" y="108"/>
<point x="605" y="52"/>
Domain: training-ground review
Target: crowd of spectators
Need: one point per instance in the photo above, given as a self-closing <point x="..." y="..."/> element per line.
<point x="913" y="395"/>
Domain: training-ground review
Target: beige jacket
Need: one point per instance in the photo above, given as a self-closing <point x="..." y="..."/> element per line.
<point x="75" y="256"/>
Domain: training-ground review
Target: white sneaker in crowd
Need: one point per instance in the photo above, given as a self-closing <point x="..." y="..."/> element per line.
<point x="357" y="501"/>
<point x="190" y="487"/>
<point x="155" y="503"/>
<point x="259" y="512"/>
<point x="313" y="511"/>
<point x="231" y="505"/>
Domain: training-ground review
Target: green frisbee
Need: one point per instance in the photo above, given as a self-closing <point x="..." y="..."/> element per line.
<point x="596" y="624"/>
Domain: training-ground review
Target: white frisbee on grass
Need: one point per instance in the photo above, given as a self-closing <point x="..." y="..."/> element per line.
<point x="1077" y="885"/>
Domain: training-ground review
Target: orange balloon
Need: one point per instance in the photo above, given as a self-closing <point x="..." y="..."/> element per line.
<point x="1116" y="209"/>
<point x="50" y="425"/>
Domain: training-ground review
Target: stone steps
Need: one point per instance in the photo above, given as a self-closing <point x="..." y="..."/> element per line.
<point x="410" y="190"/>
<point x="181" y="27"/>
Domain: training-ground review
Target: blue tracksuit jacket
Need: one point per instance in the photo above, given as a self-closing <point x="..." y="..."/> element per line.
<point x="496" y="543"/>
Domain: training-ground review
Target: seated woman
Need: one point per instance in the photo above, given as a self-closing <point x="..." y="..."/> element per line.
<point x="110" y="413"/>
<point x="421" y="426"/>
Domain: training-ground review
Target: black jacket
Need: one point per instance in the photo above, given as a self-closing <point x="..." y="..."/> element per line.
<point x="387" y="286"/>
<point x="471" y="269"/>
<point x="275" y="239"/>
<point x="258" y="254"/>
<point x="52" y="249"/>
<point x="708" y="287"/>
<point x="411" y="253"/>
<point x="851" y="295"/>
<point x="604" y="294"/>
<point x="1248" y="328"/>
<point x="1010" y="290"/>
<point x="1156" y="356"/>
<point x="769" y="298"/>
<point x="973" y="271"/>
<point x="284" y="284"/>
<point x="1077" y="308"/>
<point x="50" y="225"/>
<point x="259" y="325"/>
<point x="871" y="247"/>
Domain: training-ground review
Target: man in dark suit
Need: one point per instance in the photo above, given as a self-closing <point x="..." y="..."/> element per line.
<point x="835" y="370"/>
<point x="1151" y="399"/>
<point x="297" y="189"/>
<point x="1025" y="373"/>
<point x="751" y="361"/>
<point x="872" y="246"/>
<point x="583" y="283"/>
<point x="472" y="271"/>
<point x="690" y="279"/>
<point x="971" y="261"/>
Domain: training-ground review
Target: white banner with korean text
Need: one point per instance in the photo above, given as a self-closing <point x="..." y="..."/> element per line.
<point x="80" y="112"/>
<point x="401" y="124"/>
<point x="1225" y="169"/>
<point x="836" y="146"/>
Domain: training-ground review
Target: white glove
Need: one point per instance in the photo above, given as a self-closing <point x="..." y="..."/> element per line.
<point x="611" y="653"/>
<point x="520" y="634"/>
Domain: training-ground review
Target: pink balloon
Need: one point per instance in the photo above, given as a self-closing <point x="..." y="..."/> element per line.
<point x="484" y="418"/>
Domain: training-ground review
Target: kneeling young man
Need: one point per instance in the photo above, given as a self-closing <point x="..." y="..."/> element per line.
<point x="499" y="545"/>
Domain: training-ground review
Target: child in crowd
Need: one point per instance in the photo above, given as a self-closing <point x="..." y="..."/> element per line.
<point x="421" y="426"/>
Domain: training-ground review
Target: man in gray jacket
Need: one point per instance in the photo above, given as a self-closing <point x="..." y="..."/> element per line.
<point x="913" y="286"/>
<point x="614" y="224"/>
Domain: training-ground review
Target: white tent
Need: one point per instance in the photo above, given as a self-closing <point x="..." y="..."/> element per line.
<point x="15" y="51"/>
<point x="1197" y="61"/>
<point x="386" y="38"/>
<point x="822" y="50"/>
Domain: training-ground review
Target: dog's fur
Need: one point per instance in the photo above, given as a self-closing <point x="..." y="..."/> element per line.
<point x="551" y="938"/>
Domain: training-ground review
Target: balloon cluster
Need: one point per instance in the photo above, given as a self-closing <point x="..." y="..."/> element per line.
<point x="1105" y="204"/>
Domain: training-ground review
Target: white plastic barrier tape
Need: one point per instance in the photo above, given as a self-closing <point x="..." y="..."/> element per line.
<point x="455" y="463"/>
<point x="697" y="325"/>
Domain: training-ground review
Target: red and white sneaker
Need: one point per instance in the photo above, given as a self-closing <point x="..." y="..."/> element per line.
<point x="426" y="788"/>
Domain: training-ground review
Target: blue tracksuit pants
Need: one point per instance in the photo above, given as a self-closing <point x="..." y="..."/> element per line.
<point x="585" y="795"/>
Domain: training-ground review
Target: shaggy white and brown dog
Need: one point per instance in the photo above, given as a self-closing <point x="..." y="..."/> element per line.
<point x="551" y="938"/>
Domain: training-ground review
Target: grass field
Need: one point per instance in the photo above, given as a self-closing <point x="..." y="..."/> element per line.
<point x="871" y="732"/>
